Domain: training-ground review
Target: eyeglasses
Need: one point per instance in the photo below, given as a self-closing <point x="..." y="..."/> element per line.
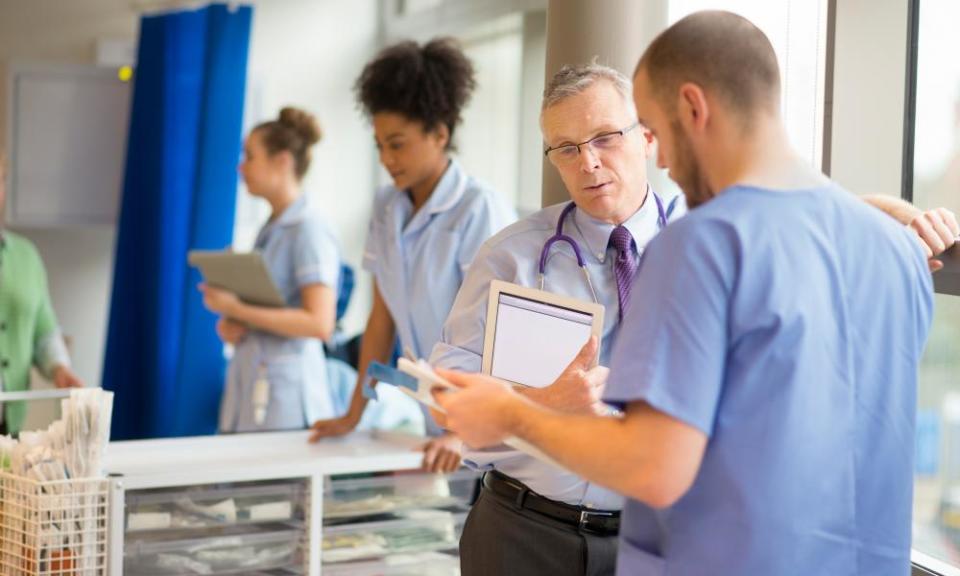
<point x="568" y="153"/>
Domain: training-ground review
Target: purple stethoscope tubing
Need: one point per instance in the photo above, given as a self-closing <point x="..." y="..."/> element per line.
<point x="559" y="236"/>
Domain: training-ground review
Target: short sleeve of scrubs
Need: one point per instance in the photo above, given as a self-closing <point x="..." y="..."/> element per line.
<point x="376" y="223"/>
<point x="673" y="342"/>
<point x="46" y="318"/>
<point x="461" y="341"/>
<point x="316" y="259"/>
<point x="369" y="260"/>
<point x="486" y="220"/>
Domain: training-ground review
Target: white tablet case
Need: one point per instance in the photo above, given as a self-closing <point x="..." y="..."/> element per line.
<point x="532" y="335"/>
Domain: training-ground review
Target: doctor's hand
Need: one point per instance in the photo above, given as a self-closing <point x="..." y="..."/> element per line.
<point x="579" y="387"/>
<point x="442" y="454"/>
<point x="230" y="331"/>
<point x="64" y="377"/>
<point x="481" y="412"/>
<point x="938" y="230"/>
<point x="332" y="427"/>
<point x="218" y="300"/>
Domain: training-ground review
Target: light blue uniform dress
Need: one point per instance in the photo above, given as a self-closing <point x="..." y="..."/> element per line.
<point x="418" y="260"/>
<point x="788" y="327"/>
<point x="512" y="256"/>
<point x="299" y="250"/>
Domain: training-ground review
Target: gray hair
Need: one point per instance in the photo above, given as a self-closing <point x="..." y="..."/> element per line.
<point x="572" y="80"/>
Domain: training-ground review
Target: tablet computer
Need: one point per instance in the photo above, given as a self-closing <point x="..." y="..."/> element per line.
<point x="531" y="335"/>
<point x="243" y="273"/>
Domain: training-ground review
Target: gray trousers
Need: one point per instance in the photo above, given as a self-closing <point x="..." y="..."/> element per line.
<point x="500" y="539"/>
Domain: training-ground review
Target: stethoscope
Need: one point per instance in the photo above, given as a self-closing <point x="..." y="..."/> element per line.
<point x="559" y="236"/>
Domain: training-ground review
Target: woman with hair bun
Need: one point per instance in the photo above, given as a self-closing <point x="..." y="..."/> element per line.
<point x="277" y="376"/>
<point x="428" y="225"/>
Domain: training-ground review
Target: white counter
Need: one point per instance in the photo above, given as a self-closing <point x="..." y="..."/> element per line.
<point x="212" y="460"/>
<point x="244" y="457"/>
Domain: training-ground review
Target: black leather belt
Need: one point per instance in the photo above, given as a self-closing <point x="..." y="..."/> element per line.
<point x="599" y="522"/>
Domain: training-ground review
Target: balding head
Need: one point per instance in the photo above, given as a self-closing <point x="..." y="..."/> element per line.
<point x="723" y="53"/>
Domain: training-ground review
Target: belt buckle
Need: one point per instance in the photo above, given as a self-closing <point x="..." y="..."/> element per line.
<point x="584" y="524"/>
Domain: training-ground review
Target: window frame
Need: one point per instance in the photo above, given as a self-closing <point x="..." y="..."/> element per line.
<point x="947" y="280"/>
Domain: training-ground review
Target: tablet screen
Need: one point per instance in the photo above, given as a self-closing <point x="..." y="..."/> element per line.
<point x="534" y="342"/>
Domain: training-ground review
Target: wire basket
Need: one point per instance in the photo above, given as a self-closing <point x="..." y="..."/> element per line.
<point x="54" y="528"/>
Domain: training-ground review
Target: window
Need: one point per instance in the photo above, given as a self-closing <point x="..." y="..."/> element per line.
<point x="936" y="159"/>
<point x="488" y="141"/>
<point x="936" y="182"/>
<point x="797" y="30"/>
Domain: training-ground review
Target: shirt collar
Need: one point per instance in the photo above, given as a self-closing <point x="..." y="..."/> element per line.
<point x="596" y="233"/>
<point x="446" y="194"/>
<point x="449" y="189"/>
<point x="292" y="214"/>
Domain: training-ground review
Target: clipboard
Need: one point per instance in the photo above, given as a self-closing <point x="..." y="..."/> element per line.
<point x="243" y="273"/>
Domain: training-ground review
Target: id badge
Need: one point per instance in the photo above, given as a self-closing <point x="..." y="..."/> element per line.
<point x="261" y="397"/>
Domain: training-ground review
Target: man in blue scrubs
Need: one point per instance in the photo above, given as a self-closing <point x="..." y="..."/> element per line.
<point x="767" y="361"/>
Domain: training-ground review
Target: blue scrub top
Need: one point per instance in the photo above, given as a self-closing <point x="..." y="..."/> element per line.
<point x="299" y="249"/>
<point x="788" y="327"/>
<point x="418" y="260"/>
<point x="513" y="256"/>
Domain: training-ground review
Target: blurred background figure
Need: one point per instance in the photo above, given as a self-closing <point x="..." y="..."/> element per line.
<point x="277" y="378"/>
<point x="29" y="333"/>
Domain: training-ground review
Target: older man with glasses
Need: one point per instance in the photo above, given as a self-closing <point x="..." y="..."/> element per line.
<point x="532" y="518"/>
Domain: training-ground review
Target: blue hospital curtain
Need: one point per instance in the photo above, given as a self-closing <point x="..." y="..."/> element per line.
<point x="163" y="359"/>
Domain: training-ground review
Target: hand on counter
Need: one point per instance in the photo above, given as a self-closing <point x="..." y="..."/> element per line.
<point x="332" y="427"/>
<point x="442" y="454"/>
<point x="938" y="230"/>
<point x="64" y="377"/>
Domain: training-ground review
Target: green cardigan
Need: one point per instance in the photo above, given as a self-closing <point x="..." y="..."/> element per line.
<point x="28" y="327"/>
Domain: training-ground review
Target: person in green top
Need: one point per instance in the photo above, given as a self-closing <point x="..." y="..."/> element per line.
<point x="29" y="334"/>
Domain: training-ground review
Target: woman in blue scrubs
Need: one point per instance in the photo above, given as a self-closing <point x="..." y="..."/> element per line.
<point x="277" y="376"/>
<point x="426" y="226"/>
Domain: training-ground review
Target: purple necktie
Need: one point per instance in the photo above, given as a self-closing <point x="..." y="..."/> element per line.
<point x="625" y="266"/>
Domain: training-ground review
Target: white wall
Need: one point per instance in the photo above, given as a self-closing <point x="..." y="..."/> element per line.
<point x="531" y="95"/>
<point x="487" y="140"/>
